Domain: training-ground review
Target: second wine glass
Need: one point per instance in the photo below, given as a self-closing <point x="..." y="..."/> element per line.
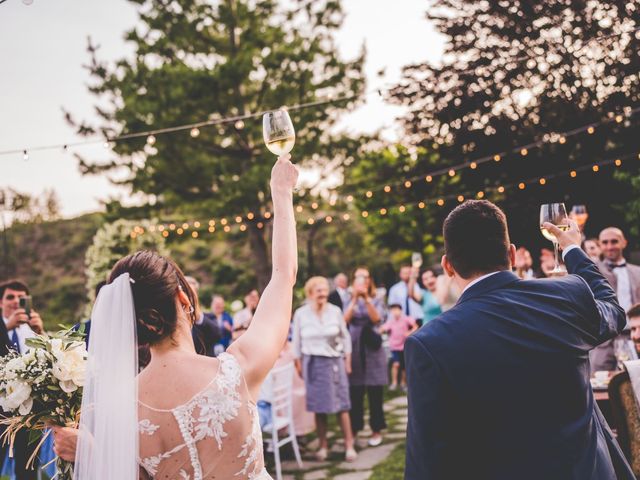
<point x="556" y="214"/>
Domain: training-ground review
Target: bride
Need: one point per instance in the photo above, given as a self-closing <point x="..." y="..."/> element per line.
<point x="185" y="416"/>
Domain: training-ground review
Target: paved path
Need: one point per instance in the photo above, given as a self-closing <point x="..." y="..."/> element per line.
<point x="368" y="457"/>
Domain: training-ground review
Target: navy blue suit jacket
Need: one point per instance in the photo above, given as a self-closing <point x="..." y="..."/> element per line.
<point x="499" y="385"/>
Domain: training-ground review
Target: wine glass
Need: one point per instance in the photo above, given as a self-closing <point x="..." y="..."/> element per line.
<point x="580" y="215"/>
<point x="278" y="132"/>
<point x="556" y="214"/>
<point x="416" y="259"/>
<point x="622" y="351"/>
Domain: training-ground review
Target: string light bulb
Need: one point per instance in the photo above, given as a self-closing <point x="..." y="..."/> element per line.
<point x="521" y="186"/>
<point x="387" y="189"/>
<point x="194" y="132"/>
<point x="224" y="221"/>
<point x="151" y="140"/>
<point x="480" y="194"/>
<point x="473" y="165"/>
<point x="618" y="162"/>
<point x="260" y="225"/>
<point x="573" y="174"/>
<point x="238" y="219"/>
<point x="196" y="224"/>
<point x="440" y="202"/>
<point x="542" y="181"/>
<point x="591" y="130"/>
<point x="267" y="215"/>
<point x="369" y="194"/>
<point x="194" y="234"/>
<point x="299" y="209"/>
<point x="428" y="178"/>
<point x="212" y="229"/>
<point x="421" y="205"/>
<point x="250" y="216"/>
<point x="346" y="217"/>
<point x="243" y="227"/>
<point x="165" y="234"/>
<point x="407" y="184"/>
<point x="402" y="208"/>
<point x="452" y="173"/>
<point x="365" y="214"/>
<point x="383" y="211"/>
<point x="460" y="198"/>
<point x="328" y="219"/>
<point x="524" y="152"/>
<point x="349" y="198"/>
<point x="619" y="118"/>
<point x="563" y="140"/>
<point x="596" y="168"/>
<point x="496" y="158"/>
<point x="501" y="189"/>
<point x="314" y="205"/>
<point x="180" y="231"/>
<point x="227" y="229"/>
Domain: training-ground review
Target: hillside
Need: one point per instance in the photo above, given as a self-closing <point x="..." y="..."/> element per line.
<point x="49" y="257"/>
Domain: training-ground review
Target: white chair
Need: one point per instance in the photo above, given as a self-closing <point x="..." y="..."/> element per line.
<point x="281" y="379"/>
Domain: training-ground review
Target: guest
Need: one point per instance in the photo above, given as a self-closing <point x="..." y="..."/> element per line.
<point x="369" y="362"/>
<point x="547" y="262"/>
<point x="243" y="318"/>
<point x="523" y="264"/>
<point x="205" y="331"/>
<point x="480" y="375"/>
<point x="399" y="327"/>
<point x="224" y="321"/>
<point x="399" y="293"/>
<point x="592" y="247"/>
<point x="18" y="327"/>
<point x="322" y="348"/>
<point x="633" y="317"/>
<point x="624" y="277"/>
<point x="340" y="296"/>
<point x="426" y="296"/>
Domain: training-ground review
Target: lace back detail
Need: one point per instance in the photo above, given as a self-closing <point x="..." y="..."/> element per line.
<point x="221" y="415"/>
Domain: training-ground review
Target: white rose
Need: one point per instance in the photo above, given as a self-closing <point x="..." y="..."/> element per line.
<point x="70" y="365"/>
<point x="56" y="346"/>
<point x="17" y="393"/>
<point x="25" y="408"/>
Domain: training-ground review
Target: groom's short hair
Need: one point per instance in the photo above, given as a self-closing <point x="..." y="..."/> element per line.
<point x="476" y="239"/>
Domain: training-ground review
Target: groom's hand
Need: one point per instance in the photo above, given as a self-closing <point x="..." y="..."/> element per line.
<point x="65" y="442"/>
<point x="572" y="236"/>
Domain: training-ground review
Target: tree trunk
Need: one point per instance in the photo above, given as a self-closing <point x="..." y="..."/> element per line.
<point x="260" y="255"/>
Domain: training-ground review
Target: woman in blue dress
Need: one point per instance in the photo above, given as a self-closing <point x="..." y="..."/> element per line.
<point x="426" y="296"/>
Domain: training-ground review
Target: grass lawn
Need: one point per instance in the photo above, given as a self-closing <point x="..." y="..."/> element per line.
<point x="393" y="467"/>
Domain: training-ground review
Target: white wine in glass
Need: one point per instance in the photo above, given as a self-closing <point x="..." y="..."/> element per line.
<point x="556" y="214"/>
<point x="278" y="132"/>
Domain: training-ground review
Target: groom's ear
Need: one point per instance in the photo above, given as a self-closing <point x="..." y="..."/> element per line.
<point x="446" y="266"/>
<point x="183" y="298"/>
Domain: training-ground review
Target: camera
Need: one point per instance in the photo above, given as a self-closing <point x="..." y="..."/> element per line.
<point x="25" y="304"/>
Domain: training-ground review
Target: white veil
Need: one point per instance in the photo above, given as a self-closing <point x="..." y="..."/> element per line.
<point x="108" y="441"/>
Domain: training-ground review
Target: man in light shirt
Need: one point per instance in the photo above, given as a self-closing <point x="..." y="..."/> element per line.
<point x="20" y="327"/>
<point x="399" y="294"/>
<point x="624" y="277"/>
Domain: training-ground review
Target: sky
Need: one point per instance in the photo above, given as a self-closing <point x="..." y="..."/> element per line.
<point x="43" y="50"/>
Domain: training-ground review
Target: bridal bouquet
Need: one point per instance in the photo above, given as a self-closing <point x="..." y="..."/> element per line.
<point x="42" y="387"/>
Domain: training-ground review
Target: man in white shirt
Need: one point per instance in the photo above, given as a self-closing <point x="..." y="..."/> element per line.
<point x="624" y="278"/>
<point x="340" y="296"/>
<point x="398" y="294"/>
<point x="20" y="326"/>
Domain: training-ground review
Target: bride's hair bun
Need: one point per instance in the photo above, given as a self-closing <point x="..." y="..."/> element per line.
<point x="157" y="281"/>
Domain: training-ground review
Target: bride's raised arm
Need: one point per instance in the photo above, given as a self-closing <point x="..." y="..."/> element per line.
<point x="258" y="349"/>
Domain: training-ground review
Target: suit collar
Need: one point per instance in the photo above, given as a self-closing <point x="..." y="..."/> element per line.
<point x="493" y="282"/>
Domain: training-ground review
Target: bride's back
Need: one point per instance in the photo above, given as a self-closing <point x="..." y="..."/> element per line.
<point x="203" y="425"/>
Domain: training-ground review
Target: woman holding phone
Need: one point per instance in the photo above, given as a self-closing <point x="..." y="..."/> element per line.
<point x="368" y="375"/>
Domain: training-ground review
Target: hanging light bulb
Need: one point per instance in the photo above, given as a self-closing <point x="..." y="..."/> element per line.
<point x="151" y="140"/>
<point x="195" y="132"/>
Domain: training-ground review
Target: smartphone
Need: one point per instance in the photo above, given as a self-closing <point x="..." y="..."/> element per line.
<point x="360" y="281"/>
<point x="25" y="304"/>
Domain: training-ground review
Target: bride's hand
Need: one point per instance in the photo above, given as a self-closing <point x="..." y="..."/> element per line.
<point x="284" y="175"/>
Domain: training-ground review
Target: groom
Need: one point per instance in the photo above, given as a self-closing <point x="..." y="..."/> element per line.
<point x="499" y="385"/>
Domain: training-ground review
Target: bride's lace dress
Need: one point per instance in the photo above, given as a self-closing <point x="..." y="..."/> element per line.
<point x="214" y="435"/>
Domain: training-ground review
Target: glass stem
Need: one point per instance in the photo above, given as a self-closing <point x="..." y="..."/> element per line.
<point x="556" y="250"/>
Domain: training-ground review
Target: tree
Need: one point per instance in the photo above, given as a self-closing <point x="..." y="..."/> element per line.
<point x="195" y="60"/>
<point x="514" y="71"/>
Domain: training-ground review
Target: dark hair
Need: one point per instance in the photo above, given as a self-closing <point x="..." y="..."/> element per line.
<point x="99" y="286"/>
<point x="634" y="311"/>
<point x="395" y="305"/>
<point x="157" y="282"/>
<point x="17" y="285"/>
<point x="476" y="238"/>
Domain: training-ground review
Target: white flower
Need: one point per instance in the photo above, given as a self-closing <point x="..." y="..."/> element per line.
<point x="15" y="365"/>
<point x="17" y="393"/>
<point x="70" y="366"/>
<point x="68" y="386"/>
<point x="56" y="346"/>
<point x="26" y="407"/>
